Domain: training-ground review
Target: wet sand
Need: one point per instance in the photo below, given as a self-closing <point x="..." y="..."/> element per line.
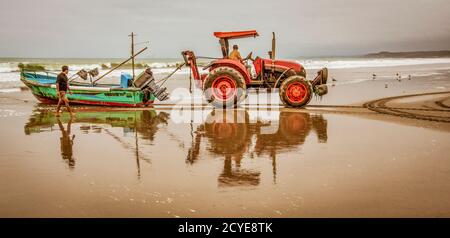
<point x="334" y="158"/>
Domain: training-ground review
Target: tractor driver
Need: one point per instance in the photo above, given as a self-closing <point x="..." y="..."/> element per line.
<point x="235" y="55"/>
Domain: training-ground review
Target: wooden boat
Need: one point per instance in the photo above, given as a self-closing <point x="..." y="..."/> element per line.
<point x="43" y="87"/>
<point x="142" y="92"/>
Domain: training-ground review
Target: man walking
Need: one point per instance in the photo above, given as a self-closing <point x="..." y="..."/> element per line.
<point x="62" y="86"/>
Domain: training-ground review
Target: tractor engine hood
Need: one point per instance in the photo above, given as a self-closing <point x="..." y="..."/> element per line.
<point x="284" y="64"/>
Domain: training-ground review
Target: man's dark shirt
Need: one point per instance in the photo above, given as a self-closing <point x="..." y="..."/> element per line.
<point x="61" y="80"/>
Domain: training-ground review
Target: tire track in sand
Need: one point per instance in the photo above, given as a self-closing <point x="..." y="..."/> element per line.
<point x="380" y="106"/>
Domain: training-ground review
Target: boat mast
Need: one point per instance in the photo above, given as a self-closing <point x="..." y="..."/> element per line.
<point x="132" y="57"/>
<point x="132" y="52"/>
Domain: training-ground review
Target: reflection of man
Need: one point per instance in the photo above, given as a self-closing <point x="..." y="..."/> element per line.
<point x="235" y="55"/>
<point x="66" y="143"/>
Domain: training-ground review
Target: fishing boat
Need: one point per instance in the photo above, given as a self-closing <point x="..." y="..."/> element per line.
<point x="133" y="91"/>
<point x="43" y="87"/>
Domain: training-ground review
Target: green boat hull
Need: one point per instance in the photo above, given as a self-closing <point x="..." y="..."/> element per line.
<point x="44" y="89"/>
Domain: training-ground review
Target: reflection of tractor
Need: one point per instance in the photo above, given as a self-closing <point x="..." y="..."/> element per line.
<point x="230" y="134"/>
<point x="227" y="81"/>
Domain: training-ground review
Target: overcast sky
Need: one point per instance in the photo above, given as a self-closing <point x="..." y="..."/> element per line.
<point x="99" y="28"/>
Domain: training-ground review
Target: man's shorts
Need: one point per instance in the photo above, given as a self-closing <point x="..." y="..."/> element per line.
<point x="62" y="94"/>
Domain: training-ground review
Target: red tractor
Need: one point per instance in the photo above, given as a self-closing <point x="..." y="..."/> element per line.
<point x="227" y="82"/>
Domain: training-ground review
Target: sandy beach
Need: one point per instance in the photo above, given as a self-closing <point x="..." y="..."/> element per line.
<point x="347" y="154"/>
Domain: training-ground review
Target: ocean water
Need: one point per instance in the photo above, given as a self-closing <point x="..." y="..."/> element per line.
<point x="9" y="70"/>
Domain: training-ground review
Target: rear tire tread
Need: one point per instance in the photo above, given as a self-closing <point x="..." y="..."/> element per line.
<point x="240" y="84"/>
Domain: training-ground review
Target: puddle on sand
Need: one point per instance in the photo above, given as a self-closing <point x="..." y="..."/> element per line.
<point x="233" y="163"/>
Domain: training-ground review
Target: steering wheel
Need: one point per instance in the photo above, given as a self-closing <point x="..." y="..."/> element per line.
<point x="249" y="57"/>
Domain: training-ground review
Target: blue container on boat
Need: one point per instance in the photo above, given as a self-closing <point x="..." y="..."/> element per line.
<point x="125" y="80"/>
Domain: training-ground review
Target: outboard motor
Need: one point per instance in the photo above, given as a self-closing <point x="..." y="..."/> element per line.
<point x="93" y="73"/>
<point x="83" y="74"/>
<point x="147" y="83"/>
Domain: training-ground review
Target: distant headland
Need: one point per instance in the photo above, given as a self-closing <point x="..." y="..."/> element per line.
<point x="411" y="54"/>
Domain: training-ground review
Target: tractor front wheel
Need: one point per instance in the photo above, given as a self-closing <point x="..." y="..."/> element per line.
<point x="295" y="91"/>
<point x="224" y="87"/>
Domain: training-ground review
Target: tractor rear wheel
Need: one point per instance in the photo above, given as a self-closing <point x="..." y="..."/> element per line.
<point x="295" y="91"/>
<point x="224" y="87"/>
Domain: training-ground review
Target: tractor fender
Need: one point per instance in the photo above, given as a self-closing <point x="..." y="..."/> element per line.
<point x="237" y="65"/>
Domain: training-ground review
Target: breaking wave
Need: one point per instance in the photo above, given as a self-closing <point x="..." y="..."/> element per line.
<point x="168" y="66"/>
<point x="368" y="63"/>
<point x="9" y="68"/>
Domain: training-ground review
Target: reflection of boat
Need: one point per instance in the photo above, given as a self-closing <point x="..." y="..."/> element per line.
<point x="144" y="121"/>
<point x="230" y="134"/>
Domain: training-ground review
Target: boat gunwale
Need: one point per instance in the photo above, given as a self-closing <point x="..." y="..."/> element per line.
<point x="27" y="81"/>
